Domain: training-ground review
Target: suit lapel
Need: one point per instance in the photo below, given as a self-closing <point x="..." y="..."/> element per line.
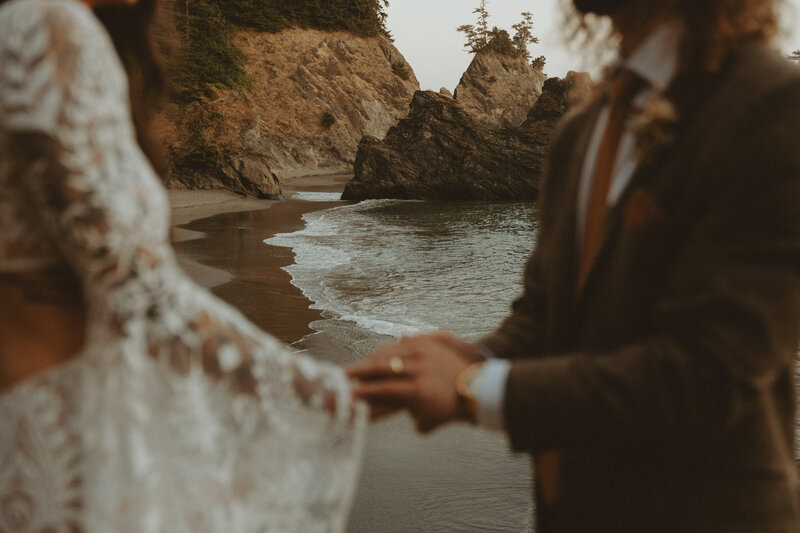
<point x="688" y="94"/>
<point x="564" y="230"/>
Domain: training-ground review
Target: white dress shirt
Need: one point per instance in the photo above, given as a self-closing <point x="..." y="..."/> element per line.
<point x="655" y="61"/>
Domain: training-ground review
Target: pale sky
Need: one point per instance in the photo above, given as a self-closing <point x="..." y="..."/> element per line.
<point x="425" y="33"/>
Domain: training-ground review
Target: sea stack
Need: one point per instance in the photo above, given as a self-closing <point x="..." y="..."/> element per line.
<point x="443" y="152"/>
<point x="499" y="89"/>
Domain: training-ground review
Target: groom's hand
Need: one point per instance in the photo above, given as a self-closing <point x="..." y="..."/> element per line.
<point x="418" y="374"/>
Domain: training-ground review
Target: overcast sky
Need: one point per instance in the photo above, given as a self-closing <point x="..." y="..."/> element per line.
<point x="425" y="32"/>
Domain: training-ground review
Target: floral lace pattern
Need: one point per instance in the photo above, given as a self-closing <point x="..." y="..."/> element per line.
<point x="179" y="415"/>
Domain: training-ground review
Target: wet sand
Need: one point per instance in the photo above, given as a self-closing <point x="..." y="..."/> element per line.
<point x="219" y="240"/>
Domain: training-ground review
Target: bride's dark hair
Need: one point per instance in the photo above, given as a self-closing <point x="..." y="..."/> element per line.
<point x="141" y="38"/>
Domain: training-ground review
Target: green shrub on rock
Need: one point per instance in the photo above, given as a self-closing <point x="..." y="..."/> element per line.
<point x="327" y="120"/>
<point x="401" y="70"/>
<point x="482" y="39"/>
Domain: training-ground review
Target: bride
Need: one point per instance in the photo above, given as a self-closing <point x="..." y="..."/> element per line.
<point x="131" y="400"/>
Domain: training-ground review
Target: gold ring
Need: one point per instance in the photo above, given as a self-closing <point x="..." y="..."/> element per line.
<point x="396" y="364"/>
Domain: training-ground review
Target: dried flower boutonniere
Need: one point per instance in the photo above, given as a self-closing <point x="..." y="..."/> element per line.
<point x="654" y="126"/>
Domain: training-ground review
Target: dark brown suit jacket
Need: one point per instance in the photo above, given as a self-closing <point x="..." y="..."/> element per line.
<point x="667" y="384"/>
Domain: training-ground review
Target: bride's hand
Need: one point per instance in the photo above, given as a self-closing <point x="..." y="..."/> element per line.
<point x="323" y="387"/>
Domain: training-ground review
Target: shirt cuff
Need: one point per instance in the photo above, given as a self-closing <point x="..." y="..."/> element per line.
<point x="490" y="390"/>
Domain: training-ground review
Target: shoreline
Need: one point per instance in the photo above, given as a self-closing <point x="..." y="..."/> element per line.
<point x="191" y="205"/>
<point x="218" y="237"/>
<point x="408" y="482"/>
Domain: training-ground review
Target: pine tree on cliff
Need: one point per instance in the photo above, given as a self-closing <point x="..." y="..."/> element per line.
<point x="794" y="56"/>
<point x="477" y="35"/>
<point x="483" y="23"/>
<point x="481" y="39"/>
<point x="524" y="34"/>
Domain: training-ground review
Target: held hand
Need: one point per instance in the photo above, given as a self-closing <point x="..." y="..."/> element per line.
<point x="418" y="374"/>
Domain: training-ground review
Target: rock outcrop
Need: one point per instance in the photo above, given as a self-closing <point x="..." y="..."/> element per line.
<point x="499" y="89"/>
<point x="442" y="152"/>
<point x="248" y="176"/>
<point x="313" y="96"/>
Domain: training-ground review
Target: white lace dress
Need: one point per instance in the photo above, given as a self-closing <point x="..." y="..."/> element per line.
<point x="179" y="415"/>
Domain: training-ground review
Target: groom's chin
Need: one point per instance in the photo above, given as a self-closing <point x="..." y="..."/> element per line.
<point x="600" y="7"/>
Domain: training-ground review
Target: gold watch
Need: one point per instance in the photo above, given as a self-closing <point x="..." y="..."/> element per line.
<point x="466" y="384"/>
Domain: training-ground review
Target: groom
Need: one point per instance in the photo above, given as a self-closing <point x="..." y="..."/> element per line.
<point x="648" y="366"/>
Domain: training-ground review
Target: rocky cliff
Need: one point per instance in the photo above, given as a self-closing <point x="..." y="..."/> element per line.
<point x="443" y="152"/>
<point x="313" y="95"/>
<point x="499" y="89"/>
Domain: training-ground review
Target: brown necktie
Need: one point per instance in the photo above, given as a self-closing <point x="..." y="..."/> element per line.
<point x="624" y="87"/>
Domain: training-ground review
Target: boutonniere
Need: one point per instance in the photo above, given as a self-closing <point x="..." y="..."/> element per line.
<point x="654" y="126"/>
<point x="641" y="210"/>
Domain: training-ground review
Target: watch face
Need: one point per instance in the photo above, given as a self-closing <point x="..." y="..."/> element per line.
<point x="474" y="380"/>
<point x="466" y="384"/>
<point x="468" y="380"/>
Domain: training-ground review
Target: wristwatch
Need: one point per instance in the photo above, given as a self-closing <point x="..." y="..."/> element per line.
<point x="466" y="385"/>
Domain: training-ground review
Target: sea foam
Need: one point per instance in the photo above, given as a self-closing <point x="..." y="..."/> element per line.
<point x="403" y="267"/>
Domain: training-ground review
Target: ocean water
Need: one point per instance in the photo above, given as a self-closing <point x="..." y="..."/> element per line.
<point x="405" y="267"/>
<point x="382" y="269"/>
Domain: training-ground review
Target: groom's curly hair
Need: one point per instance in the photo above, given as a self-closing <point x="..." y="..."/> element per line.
<point x="714" y="28"/>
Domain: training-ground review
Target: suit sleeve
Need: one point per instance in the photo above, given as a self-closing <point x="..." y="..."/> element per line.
<point x="728" y="325"/>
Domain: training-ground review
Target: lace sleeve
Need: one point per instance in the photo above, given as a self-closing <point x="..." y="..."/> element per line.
<point x="193" y="419"/>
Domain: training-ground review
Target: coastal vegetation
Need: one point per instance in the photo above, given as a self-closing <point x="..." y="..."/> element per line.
<point x="328" y="119"/>
<point x="209" y="60"/>
<point x="401" y="70"/>
<point x="201" y="153"/>
<point x="481" y="38"/>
